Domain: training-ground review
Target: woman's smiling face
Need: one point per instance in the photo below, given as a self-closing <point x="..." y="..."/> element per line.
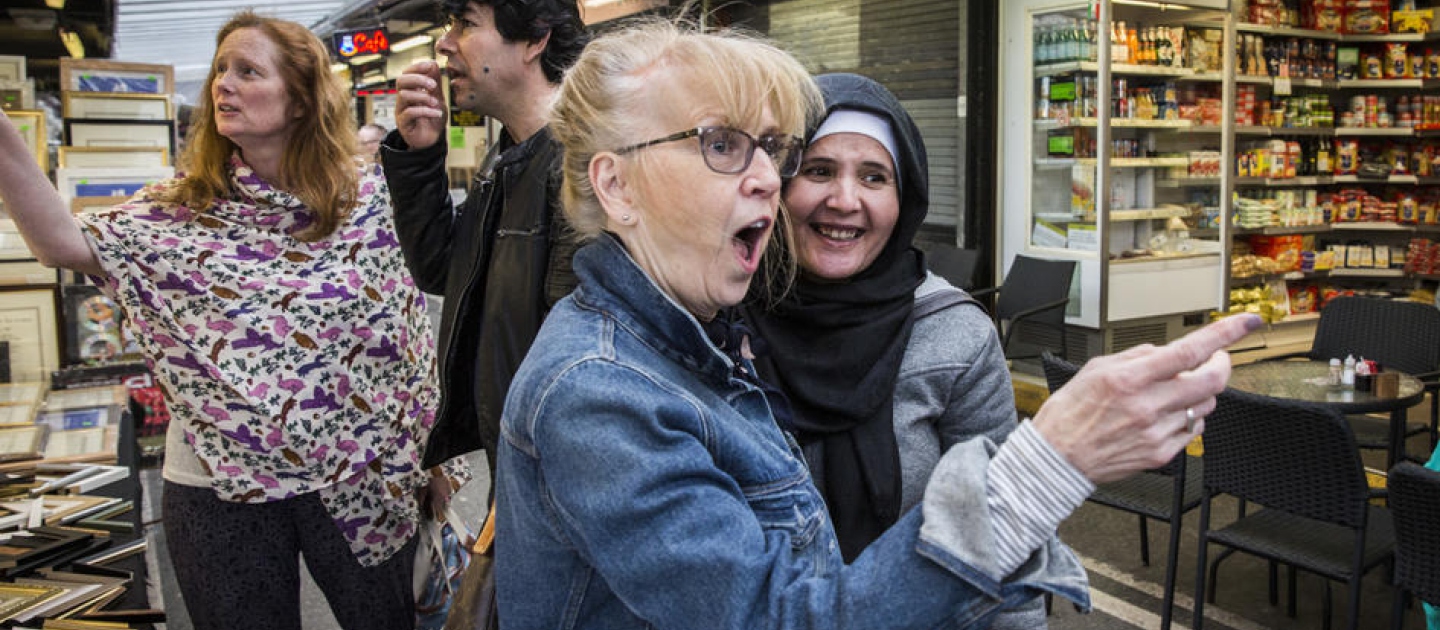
<point x="843" y="205"/>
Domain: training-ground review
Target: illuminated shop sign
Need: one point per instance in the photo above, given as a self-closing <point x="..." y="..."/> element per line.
<point x="367" y="41"/>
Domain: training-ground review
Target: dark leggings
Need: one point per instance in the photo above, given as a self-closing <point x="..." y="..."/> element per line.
<point x="238" y="564"/>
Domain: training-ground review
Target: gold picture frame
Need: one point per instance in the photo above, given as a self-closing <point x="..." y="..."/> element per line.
<point x="111" y="157"/>
<point x="17" y="598"/>
<point x="29" y="321"/>
<point x="115" y="106"/>
<point x="31" y="125"/>
<point x="102" y="75"/>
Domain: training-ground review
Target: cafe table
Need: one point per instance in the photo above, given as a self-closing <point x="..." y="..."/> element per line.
<point x="1308" y="381"/>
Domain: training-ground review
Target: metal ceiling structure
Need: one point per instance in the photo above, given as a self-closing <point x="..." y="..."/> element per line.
<point x="182" y="32"/>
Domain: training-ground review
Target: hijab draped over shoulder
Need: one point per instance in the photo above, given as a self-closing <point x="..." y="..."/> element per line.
<point x="835" y="347"/>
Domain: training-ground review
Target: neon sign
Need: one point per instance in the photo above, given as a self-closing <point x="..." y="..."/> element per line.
<point x="369" y="41"/>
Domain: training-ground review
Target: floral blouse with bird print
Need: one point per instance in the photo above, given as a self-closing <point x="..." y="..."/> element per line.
<point x="292" y="367"/>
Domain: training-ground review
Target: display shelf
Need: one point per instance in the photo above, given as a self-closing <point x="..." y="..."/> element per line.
<point x="1283" y="182"/>
<point x="1349" y="272"/>
<point x="1152" y="162"/>
<point x="1372" y="132"/>
<point x="1393" y="179"/>
<point x="1273" y="230"/>
<point x="1392" y="37"/>
<point x="1125" y="69"/>
<point x="1133" y="123"/>
<point x="1372" y="226"/>
<point x="1407" y="84"/>
<point x="1282" y="31"/>
<point x="1187" y="182"/>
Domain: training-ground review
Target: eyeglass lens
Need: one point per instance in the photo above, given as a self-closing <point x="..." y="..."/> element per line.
<point x="729" y="150"/>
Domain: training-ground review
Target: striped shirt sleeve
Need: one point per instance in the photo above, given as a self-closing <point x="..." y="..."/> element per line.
<point x="1031" y="488"/>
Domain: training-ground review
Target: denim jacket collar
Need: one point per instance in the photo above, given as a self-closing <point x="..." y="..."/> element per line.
<point x="611" y="281"/>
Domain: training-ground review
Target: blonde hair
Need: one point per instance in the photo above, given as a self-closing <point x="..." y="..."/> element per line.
<point x="318" y="164"/>
<point x="598" y="102"/>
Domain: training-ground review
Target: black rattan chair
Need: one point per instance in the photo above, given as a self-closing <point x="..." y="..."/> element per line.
<point x="1298" y="463"/>
<point x="1033" y="296"/>
<point x="1398" y="334"/>
<point x="954" y="264"/>
<point x="1164" y="494"/>
<point x="1415" y="504"/>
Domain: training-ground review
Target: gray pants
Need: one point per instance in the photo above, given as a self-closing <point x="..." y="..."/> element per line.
<point x="238" y="564"/>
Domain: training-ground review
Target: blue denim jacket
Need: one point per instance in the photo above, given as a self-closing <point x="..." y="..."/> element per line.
<point x="643" y="484"/>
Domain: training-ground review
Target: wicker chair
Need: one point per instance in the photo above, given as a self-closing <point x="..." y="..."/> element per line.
<point x="1415" y="503"/>
<point x="1398" y="334"/>
<point x="1298" y="463"/>
<point x="1164" y="494"/>
<point x="1033" y="295"/>
<point x="954" y="264"/>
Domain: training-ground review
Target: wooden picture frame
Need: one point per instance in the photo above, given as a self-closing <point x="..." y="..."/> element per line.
<point x="106" y="182"/>
<point x="103" y="75"/>
<point x="17" y="95"/>
<point x="31" y="125"/>
<point x="95" y="204"/>
<point x="116" y="106"/>
<point x="29" y="320"/>
<point x="21" y="441"/>
<point x="120" y="133"/>
<point x="74" y="444"/>
<point x="112" y="157"/>
<point x="12" y="68"/>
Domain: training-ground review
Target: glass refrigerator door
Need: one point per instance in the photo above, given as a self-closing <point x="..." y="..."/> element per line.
<point x="1111" y="147"/>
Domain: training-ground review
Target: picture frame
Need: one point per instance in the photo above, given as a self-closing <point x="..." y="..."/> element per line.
<point x="29" y="321"/>
<point x="103" y="75"/>
<point x="31" y="125"/>
<point x="12" y="68"/>
<point x="106" y="182"/>
<point x="79" y="444"/>
<point x="21" y="441"/>
<point x="96" y="204"/>
<point x="120" y="133"/>
<point x="35" y="547"/>
<point x="92" y="326"/>
<point x="116" y="106"/>
<point x="16" y="95"/>
<point x="17" y="598"/>
<point x="111" y="157"/>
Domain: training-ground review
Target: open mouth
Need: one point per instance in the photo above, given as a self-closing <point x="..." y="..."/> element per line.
<point x="749" y="239"/>
<point x="228" y="109"/>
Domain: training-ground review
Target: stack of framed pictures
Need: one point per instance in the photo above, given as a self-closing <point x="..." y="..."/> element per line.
<point x="17" y="91"/>
<point x="119" y="130"/>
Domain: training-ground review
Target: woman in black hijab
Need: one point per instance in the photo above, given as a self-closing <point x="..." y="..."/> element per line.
<point x="885" y="365"/>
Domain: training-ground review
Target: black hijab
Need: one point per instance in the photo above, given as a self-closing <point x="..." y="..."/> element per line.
<point x="835" y="347"/>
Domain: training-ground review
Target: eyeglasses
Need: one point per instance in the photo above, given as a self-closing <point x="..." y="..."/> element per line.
<point x="728" y="150"/>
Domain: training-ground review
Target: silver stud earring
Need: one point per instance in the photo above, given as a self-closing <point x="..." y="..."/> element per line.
<point x="625" y="218"/>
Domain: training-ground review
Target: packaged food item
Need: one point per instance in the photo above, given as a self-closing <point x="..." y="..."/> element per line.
<point x="1396" y="59"/>
<point x="1347" y="156"/>
<point x="1411" y="20"/>
<point x="1372" y="66"/>
<point x="1369" y="17"/>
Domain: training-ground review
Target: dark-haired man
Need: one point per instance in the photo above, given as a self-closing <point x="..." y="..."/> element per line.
<point x="501" y="258"/>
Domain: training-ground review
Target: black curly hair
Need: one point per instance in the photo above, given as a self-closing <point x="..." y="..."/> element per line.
<point x="530" y="20"/>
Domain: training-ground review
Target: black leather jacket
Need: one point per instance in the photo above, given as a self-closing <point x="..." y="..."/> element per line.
<point x="501" y="260"/>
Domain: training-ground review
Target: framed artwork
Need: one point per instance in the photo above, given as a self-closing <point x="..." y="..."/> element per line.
<point x="17" y="94"/>
<point x="29" y="322"/>
<point x="112" y="157"/>
<point x="31" y="125"/>
<point x="120" y="133"/>
<point x="75" y="444"/>
<point x="107" y="182"/>
<point x="116" y="106"/>
<point x="12" y="68"/>
<point x="103" y="75"/>
<point x="96" y="204"/>
<point x="21" y="441"/>
<point x="92" y="325"/>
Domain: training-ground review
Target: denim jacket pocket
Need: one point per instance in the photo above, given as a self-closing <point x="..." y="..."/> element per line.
<point x="788" y="505"/>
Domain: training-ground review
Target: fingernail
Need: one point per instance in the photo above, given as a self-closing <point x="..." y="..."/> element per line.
<point x="1252" y="322"/>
